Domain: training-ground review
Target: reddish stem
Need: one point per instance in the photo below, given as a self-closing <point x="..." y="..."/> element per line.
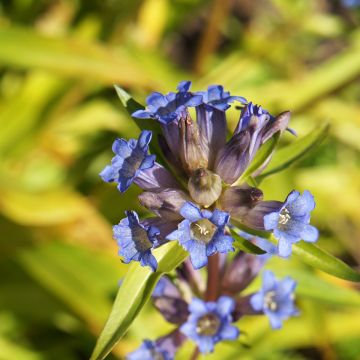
<point x="212" y="288"/>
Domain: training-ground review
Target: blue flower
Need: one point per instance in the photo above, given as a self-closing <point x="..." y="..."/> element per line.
<point x="275" y="299"/>
<point x="136" y="240"/>
<point x="170" y="107"/>
<point x="202" y="233"/>
<point x="149" y="350"/>
<point x="131" y="158"/>
<point x="210" y="323"/>
<point x="217" y="98"/>
<point x="291" y="223"/>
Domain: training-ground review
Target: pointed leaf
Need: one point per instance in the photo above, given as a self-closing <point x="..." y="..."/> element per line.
<point x="133" y="293"/>
<point x="286" y="156"/>
<point x="245" y="245"/>
<point x="312" y="255"/>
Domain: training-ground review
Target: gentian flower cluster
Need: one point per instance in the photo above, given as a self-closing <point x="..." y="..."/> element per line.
<point x="197" y="192"/>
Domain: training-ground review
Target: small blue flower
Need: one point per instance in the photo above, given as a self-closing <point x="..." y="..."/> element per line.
<point x="291" y="223"/>
<point x="136" y="240"/>
<point x="275" y="299"/>
<point x="170" y="107"/>
<point x="210" y="323"/>
<point x="202" y="233"/>
<point x="217" y="98"/>
<point x="149" y="350"/>
<point x="131" y="158"/>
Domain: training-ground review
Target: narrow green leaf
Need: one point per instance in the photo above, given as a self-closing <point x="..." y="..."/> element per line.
<point x="245" y="245"/>
<point x="133" y="293"/>
<point x="289" y="154"/>
<point x="261" y="156"/>
<point x="312" y="255"/>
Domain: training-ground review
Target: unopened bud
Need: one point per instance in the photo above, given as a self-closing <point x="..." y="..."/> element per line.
<point x="205" y="187"/>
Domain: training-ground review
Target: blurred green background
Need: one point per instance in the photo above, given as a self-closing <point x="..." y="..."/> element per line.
<point x="59" y="115"/>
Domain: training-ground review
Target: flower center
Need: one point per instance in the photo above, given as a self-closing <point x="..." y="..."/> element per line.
<point x="141" y="239"/>
<point x="270" y="301"/>
<point x="208" y="325"/>
<point x="284" y="217"/>
<point x="202" y="230"/>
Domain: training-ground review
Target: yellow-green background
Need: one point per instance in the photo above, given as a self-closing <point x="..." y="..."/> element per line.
<point x="59" y="115"/>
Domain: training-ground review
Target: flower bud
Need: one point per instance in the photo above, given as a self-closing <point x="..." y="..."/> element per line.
<point x="204" y="186"/>
<point x="192" y="150"/>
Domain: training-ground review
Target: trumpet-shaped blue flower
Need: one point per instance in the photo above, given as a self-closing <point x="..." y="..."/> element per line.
<point x="170" y="107"/>
<point x="210" y="323"/>
<point x="202" y="233"/>
<point x="149" y="350"/>
<point x="291" y="223"/>
<point x="275" y="299"/>
<point x="131" y="158"/>
<point x="136" y="240"/>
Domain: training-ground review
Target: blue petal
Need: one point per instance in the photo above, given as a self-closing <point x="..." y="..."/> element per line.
<point x="191" y="212"/>
<point x="189" y="329"/>
<point x="124" y="183"/>
<point x="195" y="100"/>
<point x="109" y="174"/>
<point x="219" y="218"/>
<point x="275" y="320"/>
<point x="206" y="344"/>
<point x="184" y="86"/>
<point x="142" y="114"/>
<point x="229" y="332"/>
<point x="149" y="259"/>
<point x="292" y="197"/>
<point x="284" y="247"/>
<point x="144" y="140"/>
<point x="198" y="307"/>
<point x="269" y="280"/>
<point x="220" y="243"/>
<point x="286" y="287"/>
<point x="271" y="220"/>
<point x="197" y="252"/>
<point x="309" y="233"/>
<point x="225" y="306"/>
<point x="120" y="147"/>
<point x="148" y="162"/>
<point x="257" y="301"/>
<point x="156" y="100"/>
<point x="302" y="205"/>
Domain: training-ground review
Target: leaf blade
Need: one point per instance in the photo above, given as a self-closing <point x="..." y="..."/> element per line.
<point x="287" y="155"/>
<point x="131" y="298"/>
<point x="245" y="245"/>
<point x="314" y="256"/>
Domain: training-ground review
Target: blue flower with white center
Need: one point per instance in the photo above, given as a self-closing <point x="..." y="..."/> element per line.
<point x="136" y="240"/>
<point x="275" y="299"/>
<point x="170" y="107"/>
<point x="149" y="350"/>
<point x="131" y="158"/>
<point x="202" y="233"/>
<point x="210" y="323"/>
<point x="291" y="223"/>
<point x="217" y="98"/>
